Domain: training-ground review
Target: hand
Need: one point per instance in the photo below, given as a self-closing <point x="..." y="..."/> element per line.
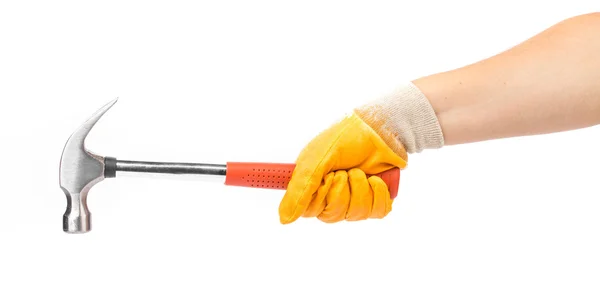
<point x="330" y="180"/>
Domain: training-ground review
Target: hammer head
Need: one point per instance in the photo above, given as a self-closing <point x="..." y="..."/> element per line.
<point x="80" y="169"/>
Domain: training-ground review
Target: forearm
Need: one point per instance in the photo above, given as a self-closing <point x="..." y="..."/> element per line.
<point x="547" y="84"/>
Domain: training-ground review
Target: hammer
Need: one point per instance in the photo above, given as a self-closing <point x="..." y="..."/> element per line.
<point x="80" y="169"/>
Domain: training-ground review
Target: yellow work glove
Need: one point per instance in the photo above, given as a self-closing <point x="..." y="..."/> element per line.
<point x="330" y="180"/>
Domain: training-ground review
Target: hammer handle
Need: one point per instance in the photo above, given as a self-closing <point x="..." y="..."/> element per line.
<point x="277" y="176"/>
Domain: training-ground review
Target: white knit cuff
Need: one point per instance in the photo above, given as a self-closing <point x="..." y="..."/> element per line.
<point x="405" y="115"/>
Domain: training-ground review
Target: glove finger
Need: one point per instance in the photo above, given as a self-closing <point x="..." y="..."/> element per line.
<point x="361" y="196"/>
<point x="318" y="202"/>
<point x="303" y="185"/>
<point x="337" y="199"/>
<point x="382" y="204"/>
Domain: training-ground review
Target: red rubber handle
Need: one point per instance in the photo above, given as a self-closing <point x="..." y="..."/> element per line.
<point x="277" y="176"/>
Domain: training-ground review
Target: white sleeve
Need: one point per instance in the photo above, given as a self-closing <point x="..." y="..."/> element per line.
<point x="405" y="115"/>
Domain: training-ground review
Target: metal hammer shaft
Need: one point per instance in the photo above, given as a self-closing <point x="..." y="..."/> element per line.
<point x="114" y="168"/>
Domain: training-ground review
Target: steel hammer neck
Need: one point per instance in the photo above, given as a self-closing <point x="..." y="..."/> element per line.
<point x="114" y="168"/>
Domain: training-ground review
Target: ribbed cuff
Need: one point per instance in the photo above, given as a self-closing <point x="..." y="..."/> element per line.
<point x="404" y="115"/>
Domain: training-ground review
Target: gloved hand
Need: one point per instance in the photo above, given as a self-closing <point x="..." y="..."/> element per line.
<point x="320" y="185"/>
<point x="330" y="180"/>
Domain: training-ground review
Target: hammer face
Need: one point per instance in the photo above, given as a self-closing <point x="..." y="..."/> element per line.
<point x="77" y="217"/>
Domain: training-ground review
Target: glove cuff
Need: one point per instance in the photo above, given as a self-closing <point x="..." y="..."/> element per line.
<point x="405" y="119"/>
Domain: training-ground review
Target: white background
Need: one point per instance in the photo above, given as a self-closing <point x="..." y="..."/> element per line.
<point x="255" y="81"/>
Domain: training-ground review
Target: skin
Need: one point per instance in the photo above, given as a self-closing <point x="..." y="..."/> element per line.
<point x="548" y="83"/>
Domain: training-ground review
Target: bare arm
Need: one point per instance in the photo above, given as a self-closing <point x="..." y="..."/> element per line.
<point x="549" y="83"/>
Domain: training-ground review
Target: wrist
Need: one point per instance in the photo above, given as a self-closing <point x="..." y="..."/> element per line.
<point x="405" y="119"/>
